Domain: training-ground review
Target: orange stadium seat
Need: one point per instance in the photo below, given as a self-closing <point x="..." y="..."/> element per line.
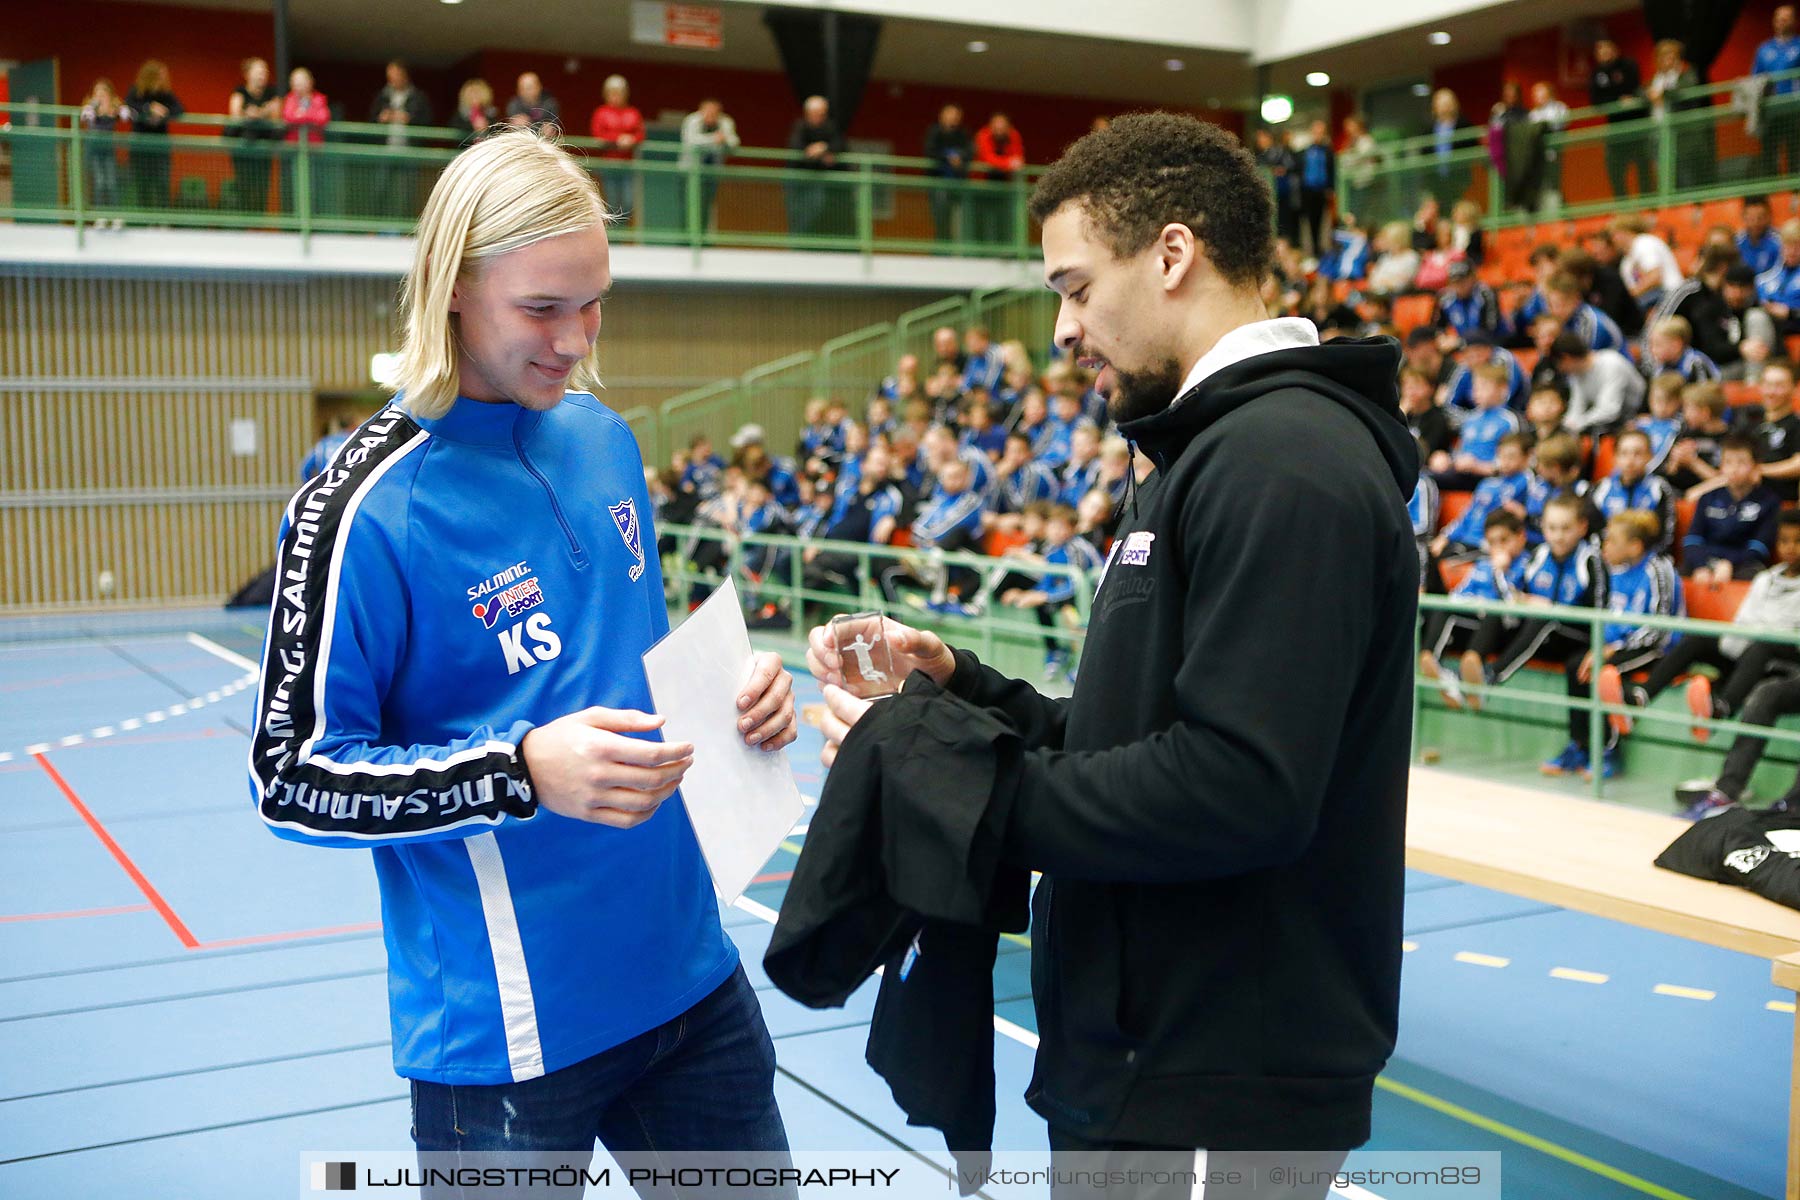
<point x="902" y="537"/>
<point x="1720" y="212"/>
<point x="1454" y="573"/>
<point x="1451" y="507"/>
<point x="1739" y="392"/>
<point x="1410" y="312"/>
<point x="1714" y="601"/>
<point x="999" y="541"/>
<point x="1603" y="457"/>
<point x="1528" y="357"/>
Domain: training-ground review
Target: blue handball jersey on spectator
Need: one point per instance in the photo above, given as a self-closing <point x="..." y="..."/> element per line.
<point x="1482" y="431"/>
<point x="447" y="585"/>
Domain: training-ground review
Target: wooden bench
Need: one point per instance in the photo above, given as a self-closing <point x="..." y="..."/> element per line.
<point x="1600" y="861"/>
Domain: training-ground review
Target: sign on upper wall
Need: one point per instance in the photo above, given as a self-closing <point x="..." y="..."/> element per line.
<point x="684" y="26"/>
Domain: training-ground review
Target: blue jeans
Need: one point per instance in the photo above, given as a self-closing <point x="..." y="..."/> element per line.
<point x="699" y="1084"/>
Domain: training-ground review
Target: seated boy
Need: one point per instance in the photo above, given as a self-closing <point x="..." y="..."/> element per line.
<point x="1054" y="591"/>
<point x="1694" y="459"/>
<point x="1662" y="424"/>
<point x="1773" y="603"/>
<point x="1507" y="486"/>
<point x="1495" y="576"/>
<point x="1639" y="581"/>
<point x="1671" y="350"/>
<point x="1482" y="430"/>
<point x="1733" y="529"/>
<point x="1558" y="472"/>
<point x="1545" y="411"/>
<point x="1566" y="570"/>
<point x="1631" y="486"/>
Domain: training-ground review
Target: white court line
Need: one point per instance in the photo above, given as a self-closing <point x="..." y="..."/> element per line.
<point x="217" y="651"/>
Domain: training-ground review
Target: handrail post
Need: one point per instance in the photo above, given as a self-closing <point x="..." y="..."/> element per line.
<point x="1021" y="212"/>
<point x="303" y="193"/>
<point x="696" y="223"/>
<point x="865" y="208"/>
<point x="1665" y="156"/>
<point x="77" y="183"/>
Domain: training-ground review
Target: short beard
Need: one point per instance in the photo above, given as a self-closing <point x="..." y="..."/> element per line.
<point x="1138" y="394"/>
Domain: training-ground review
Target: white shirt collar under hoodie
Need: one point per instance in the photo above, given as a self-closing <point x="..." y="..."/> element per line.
<point x="1247" y="341"/>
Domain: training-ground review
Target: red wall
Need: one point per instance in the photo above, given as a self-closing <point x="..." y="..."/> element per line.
<point x="763" y="104"/>
<point x="1536" y="56"/>
<point x="204" y="47"/>
<point x="91" y="38"/>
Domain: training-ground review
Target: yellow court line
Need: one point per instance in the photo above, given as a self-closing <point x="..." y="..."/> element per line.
<point x="1409" y="947"/>
<point x="1684" y="993"/>
<point x="1481" y="960"/>
<point x="1530" y="1140"/>
<point x="1780" y="1006"/>
<point x="1570" y="973"/>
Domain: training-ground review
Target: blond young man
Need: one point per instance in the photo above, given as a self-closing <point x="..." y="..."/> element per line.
<point x="452" y="679"/>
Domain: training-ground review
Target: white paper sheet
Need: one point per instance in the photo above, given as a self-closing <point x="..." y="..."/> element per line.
<point x="742" y="801"/>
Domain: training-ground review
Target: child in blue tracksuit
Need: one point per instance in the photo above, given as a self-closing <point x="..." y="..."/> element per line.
<point x="1662" y="424"/>
<point x="1423" y="509"/>
<point x="1639" y="581"/>
<point x="1496" y="576"/>
<point x="1507" y="486"/>
<point x="1565" y="570"/>
<point x="1479" y="434"/>
<point x="1054" y="591"/>
<point x="1632" y="486"/>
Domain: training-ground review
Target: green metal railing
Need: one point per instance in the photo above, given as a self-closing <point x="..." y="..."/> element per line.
<point x="1595" y="621"/>
<point x="774" y="394"/>
<point x="358" y="181"/>
<point x="983" y="632"/>
<point x="1691" y="154"/>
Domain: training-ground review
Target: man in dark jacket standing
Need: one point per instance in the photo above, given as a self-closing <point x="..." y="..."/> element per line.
<point x="1219" y="810"/>
<point x="951" y="150"/>
<point x="1616" y="80"/>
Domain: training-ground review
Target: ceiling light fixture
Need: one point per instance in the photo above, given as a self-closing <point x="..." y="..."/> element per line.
<point x="978" y="47"/>
<point x="1438" y="38"/>
<point x="1318" y="78"/>
<point x="1421" y="89"/>
<point x="1174" y="64"/>
<point x="1276" y="109"/>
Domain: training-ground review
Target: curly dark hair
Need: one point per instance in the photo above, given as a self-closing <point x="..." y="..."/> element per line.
<point x="1149" y="170"/>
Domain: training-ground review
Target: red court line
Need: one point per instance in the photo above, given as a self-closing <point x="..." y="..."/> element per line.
<point x="294" y="935"/>
<point x="79" y="912"/>
<point x="775" y="877"/>
<point x="119" y="856"/>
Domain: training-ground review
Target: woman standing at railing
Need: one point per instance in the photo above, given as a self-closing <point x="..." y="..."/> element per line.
<point x="475" y="111"/>
<point x="305" y="111"/>
<point x="1693" y="143"/>
<point x="255" y="111"/>
<point x="101" y="113"/>
<point x="153" y="105"/>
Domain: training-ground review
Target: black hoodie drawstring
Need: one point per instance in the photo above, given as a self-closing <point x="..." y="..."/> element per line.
<point x="1131" y="481"/>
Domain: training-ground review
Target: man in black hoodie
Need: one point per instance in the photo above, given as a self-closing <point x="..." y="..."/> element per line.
<point x="1219" y="810"/>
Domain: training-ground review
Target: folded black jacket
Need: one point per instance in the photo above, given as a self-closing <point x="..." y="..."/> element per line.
<point x="1734" y="846"/>
<point x="902" y="870"/>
